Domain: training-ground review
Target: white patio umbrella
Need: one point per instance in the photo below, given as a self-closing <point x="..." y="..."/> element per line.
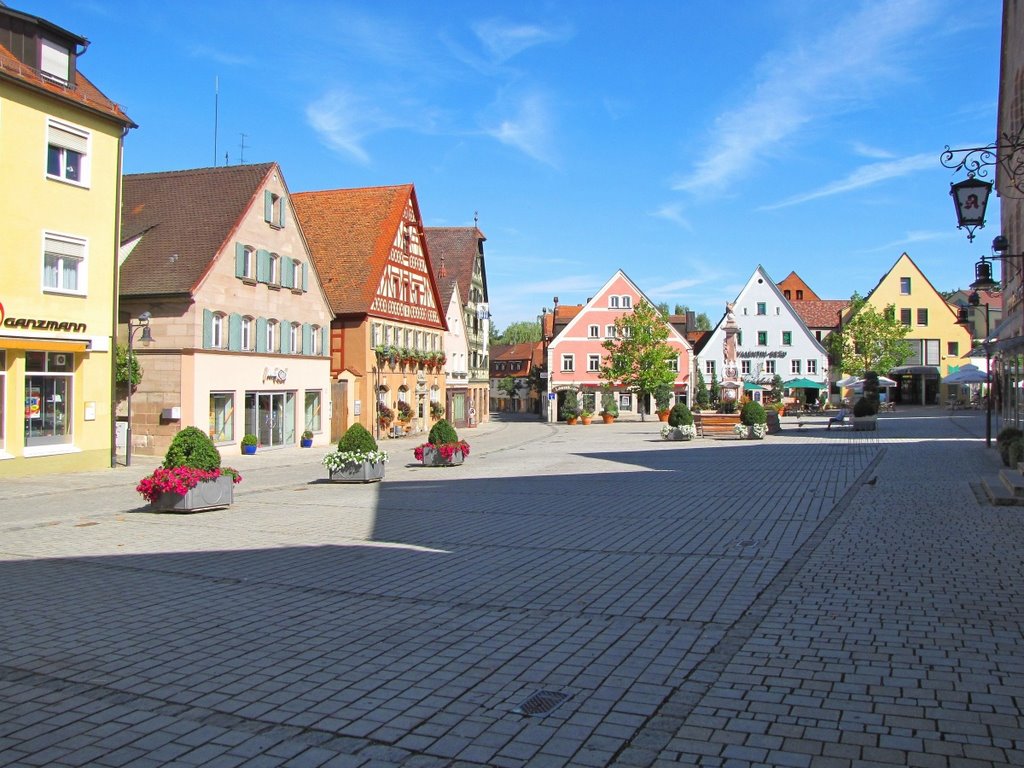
<point x="968" y="374"/>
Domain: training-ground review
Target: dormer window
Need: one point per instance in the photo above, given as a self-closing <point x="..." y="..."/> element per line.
<point x="273" y="209"/>
<point x="55" y="60"/>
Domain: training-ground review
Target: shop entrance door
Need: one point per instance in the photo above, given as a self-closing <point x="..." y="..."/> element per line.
<point x="271" y="417"/>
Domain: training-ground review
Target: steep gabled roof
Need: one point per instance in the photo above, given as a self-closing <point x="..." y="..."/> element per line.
<point x="184" y="218"/>
<point x="793" y="283"/>
<point x="454" y="250"/>
<point x="350" y="233"/>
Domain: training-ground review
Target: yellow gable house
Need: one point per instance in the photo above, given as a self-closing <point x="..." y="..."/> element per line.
<point x="60" y="160"/>
<point x="937" y="342"/>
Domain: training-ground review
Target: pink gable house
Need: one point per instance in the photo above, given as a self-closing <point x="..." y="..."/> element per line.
<point x="575" y="355"/>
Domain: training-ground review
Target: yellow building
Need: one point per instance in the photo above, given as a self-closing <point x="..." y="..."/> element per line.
<point x="937" y="342"/>
<point x="60" y="159"/>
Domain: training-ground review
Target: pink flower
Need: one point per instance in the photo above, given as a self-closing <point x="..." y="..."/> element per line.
<point x="179" y="480"/>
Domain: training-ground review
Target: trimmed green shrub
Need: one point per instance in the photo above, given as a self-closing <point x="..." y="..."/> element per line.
<point x="680" y="416"/>
<point x="192" y="447"/>
<point x="250" y="440"/>
<point x="863" y="407"/>
<point x="442" y="432"/>
<point x="753" y="413"/>
<point x="1015" y="451"/>
<point x="357" y="438"/>
<point x="1006" y="436"/>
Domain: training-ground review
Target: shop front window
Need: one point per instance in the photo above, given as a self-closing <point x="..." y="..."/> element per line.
<point x="222" y="417"/>
<point x="313" y="400"/>
<point x="48" y="392"/>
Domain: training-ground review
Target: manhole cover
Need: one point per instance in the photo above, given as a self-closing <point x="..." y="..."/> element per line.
<point x="541" y="703"/>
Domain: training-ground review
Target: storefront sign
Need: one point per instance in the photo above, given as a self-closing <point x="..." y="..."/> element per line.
<point x="761" y="353"/>
<point x="36" y="324"/>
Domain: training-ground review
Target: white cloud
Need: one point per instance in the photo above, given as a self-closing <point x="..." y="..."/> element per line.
<point x="813" y="80"/>
<point x="674" y="212"/>
<point x="875" y="153"/>
<point x="528" y="129"/>
<point x="914" y="236"/>
<point x="864" y="176"/>
<point x="504" y="40"/>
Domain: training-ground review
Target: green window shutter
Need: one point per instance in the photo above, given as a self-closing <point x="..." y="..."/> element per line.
<point x="286" y="332"/>
<point x="207" y="329"/>
<point x="263" y="265"/>
<point x="281" y="216"/>
<point x="305" y="276"/>
<point x="268" y="205"/>
<point x="261" y="334"/>
<point x="287" y="272"/>
<point x="307" y="339"/>
<point x="235" y="332"/>
<point x="325" y="332"/>
<point x="239" y="260"/>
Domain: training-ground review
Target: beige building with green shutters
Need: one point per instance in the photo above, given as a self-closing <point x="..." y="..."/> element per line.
<point x="240" y="322"/>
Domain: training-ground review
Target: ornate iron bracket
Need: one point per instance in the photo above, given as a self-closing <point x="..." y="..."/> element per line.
<point x="1007" y="153"/>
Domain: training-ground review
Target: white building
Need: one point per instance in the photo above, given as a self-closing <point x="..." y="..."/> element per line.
<point x="773" y="339"/>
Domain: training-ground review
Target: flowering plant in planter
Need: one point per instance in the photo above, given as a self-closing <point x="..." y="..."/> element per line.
<point x="443" y="440"/>
<point x="180" y="480"/>
<point x="404" y="411"/>
<point x="192" y="458"/>
<point x="355" y="446"/>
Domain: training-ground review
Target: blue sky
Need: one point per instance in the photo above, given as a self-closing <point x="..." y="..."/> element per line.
<point x="682" y="142"/>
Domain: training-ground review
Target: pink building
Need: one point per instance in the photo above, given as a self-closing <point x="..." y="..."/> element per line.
<point x="575" y="354"/>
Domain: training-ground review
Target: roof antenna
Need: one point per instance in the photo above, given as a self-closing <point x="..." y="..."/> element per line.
<point x="241" y="151"/>
<point x="476" y="218"/>
<point x="216" y="99"/>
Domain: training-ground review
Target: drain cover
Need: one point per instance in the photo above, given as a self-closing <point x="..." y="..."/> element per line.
<point x="541" y="703"/>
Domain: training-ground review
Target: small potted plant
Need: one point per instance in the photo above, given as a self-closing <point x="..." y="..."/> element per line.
<point x="358" y="459"/>
<point x="306" y="440"/>
<point x="663" y="401"/>
<point x="191" y="477"/>
<point x="249" y="443"/>
<point x="443" y="447"/>
<point x="609" y="408"/>
<point x="586" y="417"/>
<point x="570" y="410"/>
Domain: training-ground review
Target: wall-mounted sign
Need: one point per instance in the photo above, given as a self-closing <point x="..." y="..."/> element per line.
<point x="761" y="353"/>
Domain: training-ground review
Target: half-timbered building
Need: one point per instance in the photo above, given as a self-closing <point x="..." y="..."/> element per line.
<point x="386" y="341"/>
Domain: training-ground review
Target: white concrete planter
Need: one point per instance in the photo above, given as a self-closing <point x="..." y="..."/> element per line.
<point x="358" y="472"/>
<point x="208" y="494"/>
<point x="865" y="423"/>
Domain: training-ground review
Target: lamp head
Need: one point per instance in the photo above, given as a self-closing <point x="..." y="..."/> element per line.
<point x="983" y="276"/>
<point x="970" y="197"/>
<point x="147" y="336"/>
<point x="1000" y="244"/>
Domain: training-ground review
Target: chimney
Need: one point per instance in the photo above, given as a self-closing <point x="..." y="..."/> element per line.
<point x="691" y="320"/>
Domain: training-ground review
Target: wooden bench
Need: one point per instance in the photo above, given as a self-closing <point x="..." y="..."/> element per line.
<point x="715" y="424"/>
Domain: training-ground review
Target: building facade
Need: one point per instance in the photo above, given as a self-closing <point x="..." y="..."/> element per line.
<point x="521" y="363"/>
<point x="386" y="346"/>
<point x="772" y="341"/>
<point x="575" y="354"/>
<point x="239" y="321"/>
<point x="457" y="255"/>
<point x="937" y="342"/>
<point x="60" y="160"/>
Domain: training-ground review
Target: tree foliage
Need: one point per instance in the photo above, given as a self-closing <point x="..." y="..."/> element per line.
<point x="518" y="333"/>
<point x="510" y="387"/>
<point x="870" y="340"/>
<point x="128" y="370"/>
<point x="638" y="356"/>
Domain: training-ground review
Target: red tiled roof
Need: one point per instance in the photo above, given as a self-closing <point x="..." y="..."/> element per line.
<point x="522" y="351"/>
<point x="794" y="283"/>
<point x="564" y="312"/>
<point x="83" y="93"/>
<point x="455" y="250"/>
<point x="350" y="233"/>
<point x="823" y="313"/>
<point x="185" y="217"/>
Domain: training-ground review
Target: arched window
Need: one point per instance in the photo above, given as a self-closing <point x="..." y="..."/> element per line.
<point x="295" y="339"/>
<point x="318" y="340"/>
<point x="217" y="336"/>
<point x="275" y="269"/>
<point x="272" y="344"/>
<point x="613" y="301"/>
<point x="627" y="302"/>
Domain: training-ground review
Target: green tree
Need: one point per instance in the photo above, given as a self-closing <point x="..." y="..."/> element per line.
<point x="701" y="321"/>
<point x="128" y="369"/>
<point x="701" y="395"/>
<point x="638" y="356"/>
<point x="870" y="340"/>
<point x="714" y="393"/>
<point x="510" y="387"/>
<point x="520" y="332"/>
<point x="663" y="308"/>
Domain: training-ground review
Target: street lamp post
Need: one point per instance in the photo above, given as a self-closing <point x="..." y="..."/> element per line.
<point x="975" y="301"/>
<point x="146" y="338"/>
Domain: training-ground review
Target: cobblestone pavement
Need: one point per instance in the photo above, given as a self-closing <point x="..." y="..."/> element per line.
<point x="823" y="598"/>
